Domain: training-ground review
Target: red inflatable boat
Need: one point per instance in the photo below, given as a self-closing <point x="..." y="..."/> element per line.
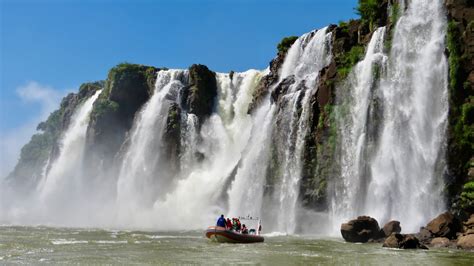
<point x="220" y="234"/>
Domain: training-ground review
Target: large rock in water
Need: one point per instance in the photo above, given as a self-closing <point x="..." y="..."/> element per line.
<point x="391" y="227"/>
<point x="403" y="241"/>
<point x="361" y="229"/>
<point x="440" y="242"/>
<point x="445" y="225"/>
<point x="466" y="242"/>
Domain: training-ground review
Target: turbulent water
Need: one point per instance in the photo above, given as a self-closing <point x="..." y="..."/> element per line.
<point x="41" y="245"/>
<point x="391" y="112"/>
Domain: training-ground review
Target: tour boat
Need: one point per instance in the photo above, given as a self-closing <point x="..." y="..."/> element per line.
<point x="220" y="234"/>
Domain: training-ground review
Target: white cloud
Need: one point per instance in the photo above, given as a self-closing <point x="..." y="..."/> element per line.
<point x="12" y="140"/>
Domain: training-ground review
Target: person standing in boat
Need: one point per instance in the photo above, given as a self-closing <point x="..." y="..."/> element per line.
<point x="221" y="221"/>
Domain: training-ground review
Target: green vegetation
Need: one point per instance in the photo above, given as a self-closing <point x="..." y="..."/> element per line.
<point x="286" y="43"/>
<point x="461" y="118"/>
<point x="347" y="60"/>
<point x="127" y="72"/>
<point x="466" y="201"/>
<point x="104" y="106"/>
<point x="461" y="113"/>
<point x="454" y="49"/>
<point x="368" y="11"/>
<point x="394" y="13"/>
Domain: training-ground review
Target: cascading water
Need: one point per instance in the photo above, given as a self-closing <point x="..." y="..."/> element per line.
<point x="306" y="57"/>
<point x="63" y="180"/>
<point x="358" y="93"/>
<point x="141" y="180"/>
<point x="407" y="171"/>
<point x="200" y="192"/>
<point x="405" y="174"/>
<point x="70" y="154"/>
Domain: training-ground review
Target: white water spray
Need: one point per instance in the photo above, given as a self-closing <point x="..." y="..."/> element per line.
<point x="64" y="176"/>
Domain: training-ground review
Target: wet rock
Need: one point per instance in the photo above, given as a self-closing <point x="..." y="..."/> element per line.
<point x="403" y="241"/>
<point x="424" y="235"/>
<point x="440" y="242"/>
<point x="282" y="88"/>
<point x="391" y="227"/>
<point x="361" y="229"/>
<point x="466" y="242"/>
<point x="445" y="225"/>
<point x="201" y="95"/>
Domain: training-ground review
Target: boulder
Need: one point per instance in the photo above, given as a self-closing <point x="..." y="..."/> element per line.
<point x="361" y="229"/>
<point x="403" y="241"/>
<point x="469" y="224"/>
<point x="424" y="235"/>
<point x="466" y="242"/>
<point x="440" y="242"/>
<point x="445" y="225"/>
<point x="391" y="227"/>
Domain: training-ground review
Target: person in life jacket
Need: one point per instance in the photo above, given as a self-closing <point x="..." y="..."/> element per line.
<point x="228" y="224"/>
<point x="239" y="225"/>
<point x="244" y="229"/>
<point x="221" y="221"/>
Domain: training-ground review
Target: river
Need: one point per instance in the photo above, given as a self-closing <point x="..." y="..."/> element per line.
<point x="41" y="245"/>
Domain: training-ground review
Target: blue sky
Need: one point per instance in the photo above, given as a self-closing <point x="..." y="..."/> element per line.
<point x="48" y="48"/>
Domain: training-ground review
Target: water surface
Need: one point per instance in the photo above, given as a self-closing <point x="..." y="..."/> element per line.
<point x="36" y="245"/>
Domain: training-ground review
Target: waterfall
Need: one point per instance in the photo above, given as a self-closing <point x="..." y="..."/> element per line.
<point x="391" y="115"/>
<point x="141" y="180"/>
<point x="64" y="177"/>
<point x="358" y="93"/>
<point x="404" y="175"/>
<point x="407" y="170"/>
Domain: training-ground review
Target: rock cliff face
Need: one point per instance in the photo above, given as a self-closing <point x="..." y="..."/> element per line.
<point x="128" y="87"/>
<point x="460" y="49"/>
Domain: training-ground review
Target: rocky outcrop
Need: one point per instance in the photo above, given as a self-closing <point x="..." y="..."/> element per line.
<point x="391" y="227"/>
<point x="267" y="81"/>
<point x="127" y="88"/>
<point x="200" y="97"/>
<point x="362" y="229"/>
<point x="172" y="138"/>
<point x="403" y="241"/>
<point x="445" y="225"/>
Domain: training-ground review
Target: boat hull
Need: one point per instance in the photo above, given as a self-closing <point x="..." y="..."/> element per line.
<point x="220" y="234"/>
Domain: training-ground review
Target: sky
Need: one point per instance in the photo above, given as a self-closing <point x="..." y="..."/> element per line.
<point x="48" y="48"/>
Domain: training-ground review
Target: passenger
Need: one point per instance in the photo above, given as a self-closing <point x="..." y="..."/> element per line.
<point x="259" y="229"/>
<point x="228" y="224"/>
<point x="239" y="225"/>
<point x="244" y="229"/>
<point x="234" y="224"/>
<point x="221" y="221"/>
